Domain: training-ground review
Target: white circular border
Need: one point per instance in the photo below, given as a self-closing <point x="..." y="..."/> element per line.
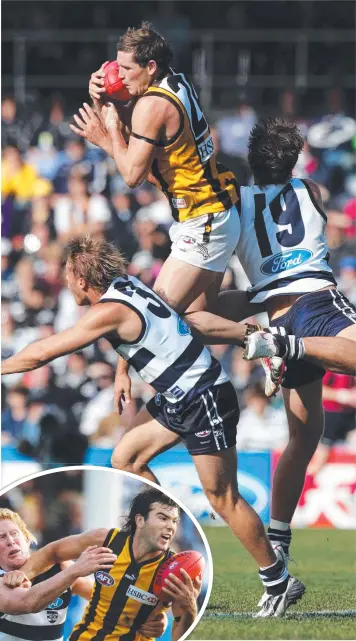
<point x="67" y="468"/>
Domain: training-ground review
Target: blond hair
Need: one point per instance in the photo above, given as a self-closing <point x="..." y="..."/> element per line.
<point x="97" y="261"/>
<point x="9" y="515"/>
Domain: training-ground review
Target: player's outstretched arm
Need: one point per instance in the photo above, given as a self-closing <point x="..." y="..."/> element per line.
<point x="93" y="325"/>
<point x="215" y="330"/>
<point x="83" y="586"/>
<point x="62" y="550"/>
<point x="21" y="600"/>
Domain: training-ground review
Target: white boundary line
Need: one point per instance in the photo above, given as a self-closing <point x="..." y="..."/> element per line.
<point x="316" y="614"/>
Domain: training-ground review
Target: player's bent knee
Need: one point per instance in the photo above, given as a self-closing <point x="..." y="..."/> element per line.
<point x="120" y="461"/>
<point x="222" y="501"/>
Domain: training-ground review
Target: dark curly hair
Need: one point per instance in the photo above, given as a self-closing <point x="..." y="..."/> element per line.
<point x="273" y="149"/>
<point x="142" y="504"/>
<point x="146" y="44"/>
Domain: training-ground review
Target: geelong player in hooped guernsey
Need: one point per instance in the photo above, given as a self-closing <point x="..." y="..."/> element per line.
<point x="38" y="612"/>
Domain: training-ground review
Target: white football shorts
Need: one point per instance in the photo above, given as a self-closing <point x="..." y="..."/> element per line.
<point x="207" y="241"/>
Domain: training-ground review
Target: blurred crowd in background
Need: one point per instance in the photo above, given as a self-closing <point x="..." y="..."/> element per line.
<point x="55" y="185"/>
<point x="53" y="506"/>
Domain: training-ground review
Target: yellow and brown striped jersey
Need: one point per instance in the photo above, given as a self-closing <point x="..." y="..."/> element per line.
<point x="122" y="599"/>
<point x="185" y="167"/>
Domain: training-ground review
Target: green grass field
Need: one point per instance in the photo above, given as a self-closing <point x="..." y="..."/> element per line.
<point x="326" y="563"/>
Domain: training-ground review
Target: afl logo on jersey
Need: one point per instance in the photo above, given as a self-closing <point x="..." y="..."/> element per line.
<point x="55" y="604"/>
<point x="104" y="579"/>
<point x="285" y="260"/>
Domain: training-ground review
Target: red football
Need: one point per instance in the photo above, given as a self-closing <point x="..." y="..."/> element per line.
<point x="190" y="561"/>
<point x="113" y="84"/>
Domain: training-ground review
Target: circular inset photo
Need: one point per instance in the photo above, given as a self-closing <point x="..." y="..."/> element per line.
<point x="93" y="554"/>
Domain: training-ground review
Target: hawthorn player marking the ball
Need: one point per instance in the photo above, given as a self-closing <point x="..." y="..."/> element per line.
<point x="123" y="602"/>
<point x="163" y="136"/>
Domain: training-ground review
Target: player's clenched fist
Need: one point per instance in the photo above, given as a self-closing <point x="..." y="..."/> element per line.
<point x="94" y="558"/>
<point x="15" y="579"/>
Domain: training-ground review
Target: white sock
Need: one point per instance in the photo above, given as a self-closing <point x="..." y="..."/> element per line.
<point x="279" y="525"/>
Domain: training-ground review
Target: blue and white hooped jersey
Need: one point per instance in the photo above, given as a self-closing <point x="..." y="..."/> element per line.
<point x="47" y="625"/>
<point x="282" y="246"/>
<point x="166" y="355"/>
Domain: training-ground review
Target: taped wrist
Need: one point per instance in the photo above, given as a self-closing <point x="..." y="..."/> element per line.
<point x="250" y="329"/>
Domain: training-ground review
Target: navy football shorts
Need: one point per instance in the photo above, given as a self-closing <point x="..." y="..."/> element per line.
<point x="337" y="425"/>
<point x="322" y="313"/>
<point x="207" y="424"/>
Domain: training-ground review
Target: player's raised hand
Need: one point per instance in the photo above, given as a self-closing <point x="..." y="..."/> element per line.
<point x="155" y="627"/>
<point x="94" y="558"/>
<point x="96" y="83"/>
<point x="16" y="579"/>
<point x="90" y="126"/>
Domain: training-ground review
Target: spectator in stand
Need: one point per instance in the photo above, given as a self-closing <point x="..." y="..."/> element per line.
<point x="349" y="212"/>
<point x="16" y="130"/>
<point x="237" y="164"/>
<point x="157" y="209"/>
<point x="261" y="426"/>
<point x="102" y="375"/>
<point x="80" y="212"/>
<point x="109" y="431"/>
<point x="339" y="402"/>
<point x="347" y="277"/>
<point x="18" y="178"/>
<point x="74" y="156"/>
<point x="56" y="126"/>
<point x="15" y="422"/>
<point x="233" y="131"/>
<point x="338" y="245"/>
<point x="120" y="231"/>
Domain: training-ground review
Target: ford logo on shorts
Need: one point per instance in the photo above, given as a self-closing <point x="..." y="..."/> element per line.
<point x="104" y="578"/>
<point x="56" y="604"/>
<point x="285" y="260"/>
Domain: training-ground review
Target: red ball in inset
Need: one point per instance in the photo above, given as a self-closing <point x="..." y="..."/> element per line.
<point x="190" y="561"/>
<point x="113" y="83"/>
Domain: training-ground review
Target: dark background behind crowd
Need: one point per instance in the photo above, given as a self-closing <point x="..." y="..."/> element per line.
<point x="248" y="59"/>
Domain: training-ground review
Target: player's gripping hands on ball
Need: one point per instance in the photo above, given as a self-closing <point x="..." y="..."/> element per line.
<point x="182" y="591"/>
